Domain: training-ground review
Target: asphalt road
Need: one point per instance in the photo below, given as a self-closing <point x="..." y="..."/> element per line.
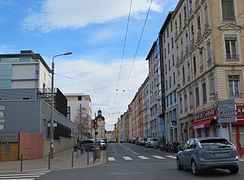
<point x="132" y="162"/>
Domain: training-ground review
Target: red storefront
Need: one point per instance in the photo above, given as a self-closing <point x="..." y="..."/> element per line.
<point x="205" y="123"/>
<point x="238" y="129"/>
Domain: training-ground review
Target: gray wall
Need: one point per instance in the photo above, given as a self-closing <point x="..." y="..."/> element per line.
<point x="21" y="116"/>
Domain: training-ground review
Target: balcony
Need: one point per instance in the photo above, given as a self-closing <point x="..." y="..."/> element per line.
<point x="232" y="56"/>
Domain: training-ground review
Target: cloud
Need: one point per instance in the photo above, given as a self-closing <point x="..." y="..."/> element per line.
<point x="58" y="14"/>
<point x="100" y="81"/>
<point x="5" y="49"/>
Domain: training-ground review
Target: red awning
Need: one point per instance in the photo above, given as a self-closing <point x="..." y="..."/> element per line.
<point x="200" y="124"/>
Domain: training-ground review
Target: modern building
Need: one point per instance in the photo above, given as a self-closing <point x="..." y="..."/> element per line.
<point x="25" y="98"/>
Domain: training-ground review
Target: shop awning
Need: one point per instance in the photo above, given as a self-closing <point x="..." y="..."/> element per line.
<point x="201" y="124"/>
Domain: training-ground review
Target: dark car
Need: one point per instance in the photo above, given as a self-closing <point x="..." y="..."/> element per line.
<point x="208" y="153"/>
<point x="85" y="145"/>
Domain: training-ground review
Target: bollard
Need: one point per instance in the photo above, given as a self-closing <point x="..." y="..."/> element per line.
<point x="72" y="159"/>
<point x="87" y="157"/>
<point x="94" y="156"/>
<point x="49" y="160"/>
<point x="21" y="162"/>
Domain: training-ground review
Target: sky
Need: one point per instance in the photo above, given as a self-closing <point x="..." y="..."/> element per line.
<point x="94" y="31"/>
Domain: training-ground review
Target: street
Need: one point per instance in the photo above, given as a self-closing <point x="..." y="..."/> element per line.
<point x="130" y="162"/>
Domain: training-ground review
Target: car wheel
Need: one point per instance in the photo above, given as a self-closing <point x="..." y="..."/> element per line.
<point x="179" y="166"/>
<point x="194" y="168"/>
<point x="234" y="170"/>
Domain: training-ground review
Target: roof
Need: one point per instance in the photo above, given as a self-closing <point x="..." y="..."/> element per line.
<point x="27" y="53"/>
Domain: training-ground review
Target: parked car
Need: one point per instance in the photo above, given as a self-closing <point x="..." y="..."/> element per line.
<point x="87" y="145"/>
<point x="132" y="140"/>
<point x="151" y="142"/>
<point x="103" y="144"/>
<point x="141" y="141"/>
<point x="208" y="153"/>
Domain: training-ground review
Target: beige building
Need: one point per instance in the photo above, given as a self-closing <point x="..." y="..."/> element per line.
<point x="208" y="39"/>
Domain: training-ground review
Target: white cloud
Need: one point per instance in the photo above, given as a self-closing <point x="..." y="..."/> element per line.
<point x="5" y="49"/>
<point x="100" y="82"/>
<point x="56" y="14"/>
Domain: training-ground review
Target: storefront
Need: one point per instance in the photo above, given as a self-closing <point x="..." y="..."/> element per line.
<point x="238" y="130"/>
<point x="205" y="124"/>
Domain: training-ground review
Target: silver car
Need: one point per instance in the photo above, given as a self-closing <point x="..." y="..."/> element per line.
<point x="208" y="153"/>
<point x="151" y="142"/>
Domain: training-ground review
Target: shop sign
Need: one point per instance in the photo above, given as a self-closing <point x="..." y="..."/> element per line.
<point x="205" y="114"/>
<point x="227" y="111"/>
<point x="240" y="110"/>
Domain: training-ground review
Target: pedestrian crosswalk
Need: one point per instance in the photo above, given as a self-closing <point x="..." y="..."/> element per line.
<point x="128" y="158"/>
<point x="22" y="176"/>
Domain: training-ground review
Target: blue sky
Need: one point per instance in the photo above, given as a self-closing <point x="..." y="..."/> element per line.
<point x="94" y="31"/>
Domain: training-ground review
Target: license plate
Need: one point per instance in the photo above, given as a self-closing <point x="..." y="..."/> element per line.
<point x="221" y="155"/>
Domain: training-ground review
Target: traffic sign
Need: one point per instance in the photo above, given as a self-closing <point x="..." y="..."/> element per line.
<point x="227" y="111"/>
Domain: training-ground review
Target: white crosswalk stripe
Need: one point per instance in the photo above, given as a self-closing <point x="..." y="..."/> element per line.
<point x="172" y="157"/>
<point x="159" y="157"/>
<point x="23" y="176"/>
<point x="111" y="159"/>
<point x="127" y="158"/>
<point x="143" y="157"/>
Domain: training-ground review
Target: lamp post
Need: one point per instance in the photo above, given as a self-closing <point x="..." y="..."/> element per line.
<point x="52" y="104"/>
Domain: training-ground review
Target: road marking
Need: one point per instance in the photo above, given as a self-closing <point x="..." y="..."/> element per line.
<point x="241" y="160"/>
<point x="23" y="176"/>
<point x="111" y="159"/>
<point x="127" y="158"/>
<point x="130" y="150"/>
<point x="159" y="157"/>
<point x="142" y="157"/>
<point x="172" y="157"/>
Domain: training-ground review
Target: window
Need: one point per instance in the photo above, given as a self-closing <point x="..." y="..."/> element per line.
<point x="211" y="85"/>
<point x="172" y="42"/>
<point x="181" y="105"/>
<point x="197" y="97"/>
<point x="234" y="85"/>
<point x="201" y="61"/>
<point x="194" y="66"/>
<point x="204" y="92"/>
<point x="231" y="47"/>
<point x="168" y="49"/>
<point x="189" y="71"/>
<point x="209" y="53"/>
<point x="170" y="82"/>
<point x="228" y="10"/>
<point x="173" y="60"/>
<point x="206" y="16"/>
<point x="79" y="98"/>
<point x="191" y="100"/>
<point x="175" y="96"/>
<point x="185" y="102"/>
<point x="199" y="25"/>
<point x="169" y="65"/>
<point x="183" y="73"/>
<point x="165" y="68"/>
<point x="174" y="78"/>
<point x="180" y="21"/>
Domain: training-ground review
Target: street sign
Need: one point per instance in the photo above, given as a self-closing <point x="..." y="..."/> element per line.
<point x="227" y="111"/>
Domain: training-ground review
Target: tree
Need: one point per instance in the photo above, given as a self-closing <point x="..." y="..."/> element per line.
<point x="81" y="121"/>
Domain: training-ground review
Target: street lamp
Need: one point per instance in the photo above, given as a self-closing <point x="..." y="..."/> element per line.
<point x="52" y="104"/>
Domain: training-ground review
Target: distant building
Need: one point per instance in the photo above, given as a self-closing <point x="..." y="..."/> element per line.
<point x="80" y="108"/>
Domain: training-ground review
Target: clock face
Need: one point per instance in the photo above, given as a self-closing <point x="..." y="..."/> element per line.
<point x="1" y="114"/>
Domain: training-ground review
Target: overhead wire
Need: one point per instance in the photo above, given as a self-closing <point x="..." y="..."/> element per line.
<point x="124" y="45"/>
<point x="136" y="52"/>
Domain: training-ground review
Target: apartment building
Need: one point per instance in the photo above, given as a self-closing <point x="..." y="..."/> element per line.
<point x="146" y="110"/>
<point x="168" y="60"/>
<point x="155" y="92"/>
<point x="80" y="109"/>
<point x="208" y="40"/>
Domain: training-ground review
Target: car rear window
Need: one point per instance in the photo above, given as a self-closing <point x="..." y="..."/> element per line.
<point x="155" y="139"/>
<point x="207" y="142"/>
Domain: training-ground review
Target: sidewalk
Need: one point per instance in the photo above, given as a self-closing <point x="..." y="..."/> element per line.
<point x="61" y="160"/>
